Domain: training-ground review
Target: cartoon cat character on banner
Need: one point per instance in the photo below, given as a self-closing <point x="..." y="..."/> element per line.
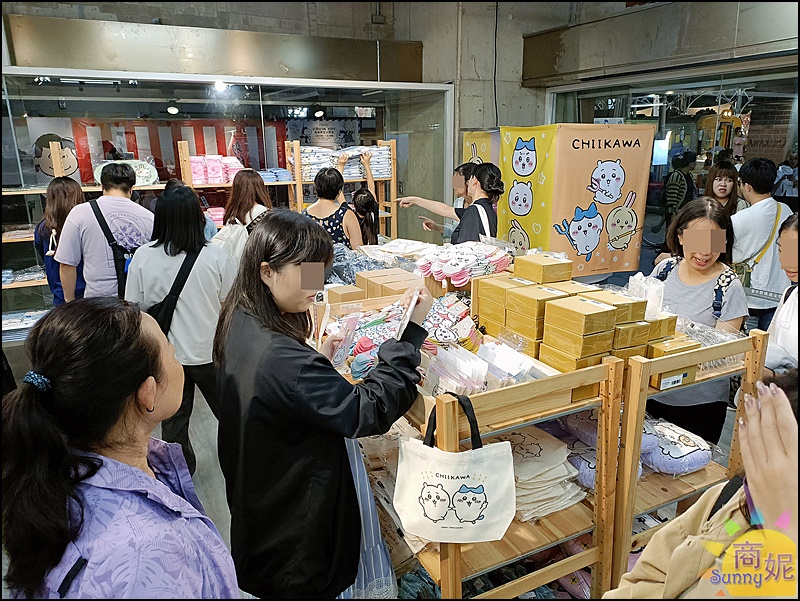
<point x="607" y="181"/>
<point x="583" y="232"/>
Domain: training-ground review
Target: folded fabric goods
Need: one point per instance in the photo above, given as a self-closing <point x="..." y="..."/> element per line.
<point x="462" y="262"/>
<point x="543" y="476"/>
<point x="584" y="458"/>
<point x="679" y="451"/>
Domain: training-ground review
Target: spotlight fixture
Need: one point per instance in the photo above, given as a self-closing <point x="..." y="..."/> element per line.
<point x="298" y="112"/>
<point x="220" y="86"/>
<point x="317" y="111"/>
<point x="172" y="107"/>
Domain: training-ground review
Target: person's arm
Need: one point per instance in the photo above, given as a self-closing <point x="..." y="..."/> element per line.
<point x="365" y="161"/>
<point x="69" y="279"/>
<point x="341" y="163"/>
<point x="734" y="308"/>
<point x="372" y="406"/>
<point x="768" y="440"/>
<point x="434" y="206"/>
<point x="38" y="240"/>
<point x="352" y="229"/>
<point x="675" y="191"/>
<point x="429" y="225"/>
<point x="134" y="283"/>
<point x="778" y="358"/>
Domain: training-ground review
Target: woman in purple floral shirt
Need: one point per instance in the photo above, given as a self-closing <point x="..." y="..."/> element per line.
<point x="93" y="507"/>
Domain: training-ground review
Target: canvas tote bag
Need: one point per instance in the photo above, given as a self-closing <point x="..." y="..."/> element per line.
<point x="465" y="497"/>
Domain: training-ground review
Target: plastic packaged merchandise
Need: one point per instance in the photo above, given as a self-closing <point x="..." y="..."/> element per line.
<point x="346" y="263"/>
<point x="708" y="336"/>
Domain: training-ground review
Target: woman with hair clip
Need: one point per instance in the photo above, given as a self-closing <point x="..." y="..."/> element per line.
<point x="178" y="233"/>
<point x="93" y="506"/>
<point x="303" y="518"/>
<point x="63" y="193"/>
<point x="700" y="285"/>
<point x="249" y="198"/>
<point x="461" y="175"/>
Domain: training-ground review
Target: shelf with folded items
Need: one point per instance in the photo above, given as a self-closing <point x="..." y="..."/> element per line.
<point x="635" y="497"/>
<point x="385" y="188"/>
<point x="515" y="406"/>
<point x="26" y="284"/>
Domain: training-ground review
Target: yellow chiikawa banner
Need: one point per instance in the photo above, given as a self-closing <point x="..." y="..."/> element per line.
<point x="579" y="189"/>
<point x="480" y="147"/>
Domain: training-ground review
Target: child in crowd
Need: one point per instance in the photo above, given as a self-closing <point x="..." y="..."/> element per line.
<point x="63" y="193"/>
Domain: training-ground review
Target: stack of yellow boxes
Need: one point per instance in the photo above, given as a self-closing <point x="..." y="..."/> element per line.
<point x="517" y="302"/>
<point x="664" y="340"/>
<point x="631" y="331"/>
<point x="578" y="333"/>
<point x="386" y="282"/>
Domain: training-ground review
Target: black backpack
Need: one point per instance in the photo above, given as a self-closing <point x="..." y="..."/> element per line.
<point x="122" y="255"/>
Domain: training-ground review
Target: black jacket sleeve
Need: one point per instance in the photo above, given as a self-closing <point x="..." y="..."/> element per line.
<point x="327" y="400"/>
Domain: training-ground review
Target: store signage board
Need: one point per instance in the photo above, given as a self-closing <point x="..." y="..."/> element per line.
<point x="578" y="189"/>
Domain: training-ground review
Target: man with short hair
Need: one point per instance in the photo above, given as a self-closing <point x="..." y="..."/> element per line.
<point x="82" y="237"/>
<point x="755" y="230"/>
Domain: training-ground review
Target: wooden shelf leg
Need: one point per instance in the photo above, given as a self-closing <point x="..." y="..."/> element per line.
<point x="447" y="440"/>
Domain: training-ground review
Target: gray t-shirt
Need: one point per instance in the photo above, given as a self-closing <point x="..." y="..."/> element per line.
<point x="695" y="303"/>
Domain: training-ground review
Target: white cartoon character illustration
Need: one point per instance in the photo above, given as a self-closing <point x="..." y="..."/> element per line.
<point x="520" y="198"/>
<point x="469" y="503"/>
<point x="583" y="232"/>
<point x="443" y="334"/>
<point x="475" y="159"/>
<point x="435" y="501"/>
<point x="524" y="157"/>
<point x="607" y="181"/>
<point x="621" y="224"/>
<point x="518" y="237"/>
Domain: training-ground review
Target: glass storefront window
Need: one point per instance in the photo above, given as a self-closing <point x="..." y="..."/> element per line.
<point x="99" y="118"/>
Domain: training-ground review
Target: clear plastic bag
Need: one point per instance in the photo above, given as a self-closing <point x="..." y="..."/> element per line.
<point x="708" y="336"/>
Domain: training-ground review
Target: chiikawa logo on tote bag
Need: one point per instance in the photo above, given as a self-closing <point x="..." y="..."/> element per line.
<point x="455" y="497"/>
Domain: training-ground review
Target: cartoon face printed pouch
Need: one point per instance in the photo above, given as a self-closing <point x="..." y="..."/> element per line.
<point x="464" y="497"/>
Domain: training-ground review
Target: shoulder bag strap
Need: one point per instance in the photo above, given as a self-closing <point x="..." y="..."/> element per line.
<point x="183" y="274"/>
<point x="484" y="220"/>
<point x="469" y="411"/>
<point x="671" y="263"/>
<point x="771" y="236"/>
<point x="720" y="288"/>
<point x="789" y="291"/>
<point x="730" y="489"/>
<point x="102" y="221"/>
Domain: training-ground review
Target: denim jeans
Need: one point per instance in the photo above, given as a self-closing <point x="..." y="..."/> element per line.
<point x="759" y="319"/>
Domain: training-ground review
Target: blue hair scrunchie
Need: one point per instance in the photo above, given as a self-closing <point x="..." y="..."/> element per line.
<point x="38" y="380"/>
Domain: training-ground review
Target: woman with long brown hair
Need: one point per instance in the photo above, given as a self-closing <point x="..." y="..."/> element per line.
<point x="63" y="193"/>
<point x="249" y="198"/>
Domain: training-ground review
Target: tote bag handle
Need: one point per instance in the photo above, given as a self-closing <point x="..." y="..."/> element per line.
<point x="469" y="411"/>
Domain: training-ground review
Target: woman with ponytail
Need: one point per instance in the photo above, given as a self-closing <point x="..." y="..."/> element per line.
<point x="93" y="507"/>
<point x="485" y="186"/>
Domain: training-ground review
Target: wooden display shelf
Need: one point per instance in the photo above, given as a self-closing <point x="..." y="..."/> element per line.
<point x="28" y="284"/>
<point x="635" y="497"/>
<point x="702" y="377"/>
<point x="655" y="490"/>
<point x="25" y="239"/>
<point x="520" y="540"/>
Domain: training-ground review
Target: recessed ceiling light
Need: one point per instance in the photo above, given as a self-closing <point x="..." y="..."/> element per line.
<point x="172" y="108"/>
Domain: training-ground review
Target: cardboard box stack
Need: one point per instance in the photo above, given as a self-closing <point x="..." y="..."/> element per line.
<point x="631" y="332"/>
<point x="386" y="282"/>
<point x="541" y="269"/>
<point x="493" y="299"/>
<point x="578" y="333"/>
<point x="345" y="294"/>
<point x="679" y="343"/>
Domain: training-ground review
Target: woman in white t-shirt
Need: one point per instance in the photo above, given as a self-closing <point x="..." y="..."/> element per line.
<point x="782" y="344"/>
<point x="700" y="285"/>
<point x="178" y="231"/>
<point x="249" y="198"/>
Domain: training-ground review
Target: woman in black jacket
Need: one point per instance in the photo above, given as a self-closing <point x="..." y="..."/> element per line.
<point x="285" y="415"/>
